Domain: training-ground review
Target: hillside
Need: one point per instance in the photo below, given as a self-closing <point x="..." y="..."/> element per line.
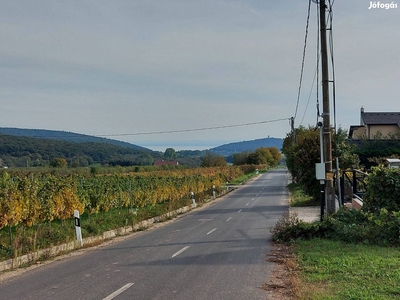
<point x="20" y="151"/>
<point x="37" y="147"/>
<point x="66" y="136"/>
<point x="232" y="148"/>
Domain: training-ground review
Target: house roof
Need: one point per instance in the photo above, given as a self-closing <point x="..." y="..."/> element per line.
<point x="353" y="128"/>
<point x="381" y="118"/>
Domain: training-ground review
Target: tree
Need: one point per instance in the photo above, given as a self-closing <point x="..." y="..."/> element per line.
<point x="345" y="151"/>
<point x="241" y="158"/>
<point x="276" y="155"/>
<point x="58" y="162"/>
<point x="212" y="160"/>
<point x="170" y="153"/>
<point x="262" y="156"/>
<point x="302" y="156"/>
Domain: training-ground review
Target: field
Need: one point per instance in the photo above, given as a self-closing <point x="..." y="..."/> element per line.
<point x="36" y="209"/>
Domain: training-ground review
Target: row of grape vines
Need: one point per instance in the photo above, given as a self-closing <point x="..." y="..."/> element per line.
<point x="33" y="199"/>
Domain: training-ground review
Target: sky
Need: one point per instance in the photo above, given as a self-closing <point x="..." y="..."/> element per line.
<point x="190" y="74"/>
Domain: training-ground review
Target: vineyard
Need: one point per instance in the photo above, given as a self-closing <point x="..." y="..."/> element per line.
<point x="38" y="206"/>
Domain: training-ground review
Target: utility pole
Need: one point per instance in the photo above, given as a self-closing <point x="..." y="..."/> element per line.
<point x="329" y="189"/>
<point x="293" y="130"/>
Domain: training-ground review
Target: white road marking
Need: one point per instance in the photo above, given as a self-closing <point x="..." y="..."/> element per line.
<point x="252" y="199"/>
<point x="228" y="219"/>
<point x="239" y="211"/>
<point x="180" y="251"/>
<point x="247" y="204"/>
<point x="211" y="231"/>
<point x="117" y="292"/>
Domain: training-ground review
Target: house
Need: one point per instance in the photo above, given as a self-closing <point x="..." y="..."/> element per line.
<point x="393" y="163"/>
<point x="166" y="163"/>
<point x="376" y="124"/>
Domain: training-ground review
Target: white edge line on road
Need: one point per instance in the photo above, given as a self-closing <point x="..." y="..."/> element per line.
<point x="239" y="211"/>
<point x="180" y="251"/>
<point x="117" y="292"/>
<point x="211" y="231"/>
<point x="228" y="219"/>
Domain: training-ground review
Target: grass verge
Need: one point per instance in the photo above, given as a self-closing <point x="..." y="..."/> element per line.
<point x="298" y="197"/>
<point x="336" y="270"/>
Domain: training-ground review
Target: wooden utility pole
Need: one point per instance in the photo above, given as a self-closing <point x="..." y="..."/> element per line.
<point x="329" y="189"/>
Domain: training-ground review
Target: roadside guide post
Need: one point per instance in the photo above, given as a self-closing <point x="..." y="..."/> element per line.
<point x="78" y="228"/>
<point x="193" y="200"/>
<point x="213" y="191"/>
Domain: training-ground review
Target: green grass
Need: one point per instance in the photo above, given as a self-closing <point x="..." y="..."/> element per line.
<point x="335" y="270"/>
<point x="245" y="177"/>
<point x="298" y="197"/>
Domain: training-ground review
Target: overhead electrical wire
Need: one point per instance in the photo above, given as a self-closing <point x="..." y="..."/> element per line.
<point x="303" y="60"/>
<point x="191" y="130"/>
<point x="310" y="94"/>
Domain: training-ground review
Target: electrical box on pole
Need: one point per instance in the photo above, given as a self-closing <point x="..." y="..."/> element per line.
<point x="320" y="171"/>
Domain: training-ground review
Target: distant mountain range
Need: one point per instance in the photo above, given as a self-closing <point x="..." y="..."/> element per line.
<point x="37" y="147"/>
<point x="232" y="148"/>
<point x="67" y="136"/>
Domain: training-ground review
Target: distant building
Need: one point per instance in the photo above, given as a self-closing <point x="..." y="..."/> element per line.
<point x="166" y="163"/>
<point x="393" y="162"/>
<point x="373" y="124"/>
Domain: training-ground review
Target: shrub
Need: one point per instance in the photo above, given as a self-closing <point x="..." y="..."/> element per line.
<point x="290" y="228"/>
<point x="382" y="190"/>
<point x="347" y="225"/>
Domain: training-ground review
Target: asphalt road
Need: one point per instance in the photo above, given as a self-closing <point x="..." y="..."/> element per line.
<point x="214" y="252"/>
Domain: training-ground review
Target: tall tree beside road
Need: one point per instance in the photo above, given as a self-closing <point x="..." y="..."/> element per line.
<point x="302" y="156"/>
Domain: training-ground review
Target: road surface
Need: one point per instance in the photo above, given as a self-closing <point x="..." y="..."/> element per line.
<point x="214" y="252"/>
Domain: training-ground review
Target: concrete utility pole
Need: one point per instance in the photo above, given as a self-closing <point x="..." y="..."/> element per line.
<point x="329" y="189"/>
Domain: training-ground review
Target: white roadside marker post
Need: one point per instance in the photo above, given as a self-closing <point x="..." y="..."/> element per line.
<point x="78" y="228"/>
<point x="193" y="200"/>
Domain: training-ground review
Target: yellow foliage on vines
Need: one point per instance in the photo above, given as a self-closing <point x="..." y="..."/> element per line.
<point x="37" y="198"/>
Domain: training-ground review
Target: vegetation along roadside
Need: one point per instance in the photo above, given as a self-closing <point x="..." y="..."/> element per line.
<point x="351" y="254"/>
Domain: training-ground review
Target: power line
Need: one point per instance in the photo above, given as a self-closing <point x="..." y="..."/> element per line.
<point x="303" y="60"/>
<point x="309" y="95"/>
<point x="191" y="130"/>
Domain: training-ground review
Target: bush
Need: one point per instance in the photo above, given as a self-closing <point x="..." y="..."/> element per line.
<point x="382" y="190"/>
<point x="290" y="228"/>
<point x="347" y="225"/>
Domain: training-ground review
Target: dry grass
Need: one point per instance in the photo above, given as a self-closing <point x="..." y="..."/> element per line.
<point x="283" y="283"/>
